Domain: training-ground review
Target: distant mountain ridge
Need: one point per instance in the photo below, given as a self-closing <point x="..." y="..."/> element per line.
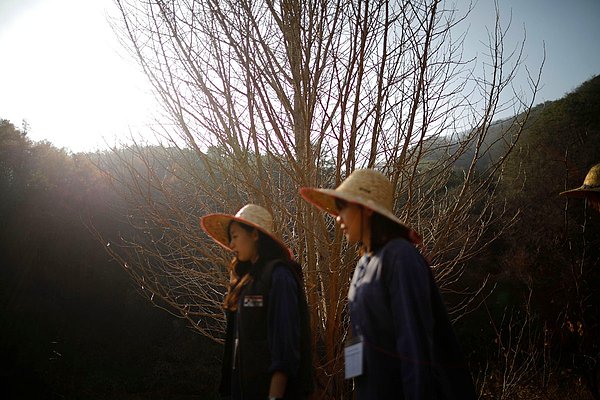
<point x="576" y="111"/>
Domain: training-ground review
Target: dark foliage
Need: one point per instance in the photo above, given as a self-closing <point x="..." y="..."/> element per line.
<point x="546" y="270"/>
<point x="73" y="324"/>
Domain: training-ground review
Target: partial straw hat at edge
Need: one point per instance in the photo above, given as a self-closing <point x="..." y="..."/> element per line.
<point x="591" y="184"/>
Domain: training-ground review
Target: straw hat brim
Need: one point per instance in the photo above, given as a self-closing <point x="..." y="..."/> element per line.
<point x="580" y="191"/>
<point x="325" y="200"/>
<point x="217" y="226"/>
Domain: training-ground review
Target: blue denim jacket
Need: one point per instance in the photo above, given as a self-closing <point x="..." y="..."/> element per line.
<point x="410" y="349"/>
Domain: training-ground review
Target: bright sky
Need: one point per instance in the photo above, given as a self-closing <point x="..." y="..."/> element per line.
<point x="64" y="72"/>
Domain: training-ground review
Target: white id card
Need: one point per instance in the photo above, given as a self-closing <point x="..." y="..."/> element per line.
<point x="353" y="358"/>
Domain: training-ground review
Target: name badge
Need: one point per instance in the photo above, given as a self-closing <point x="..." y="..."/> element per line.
<point x="353" y="358"/>
<point x="253" y="301"/>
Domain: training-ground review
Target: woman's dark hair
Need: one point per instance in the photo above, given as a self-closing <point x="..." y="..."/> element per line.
<point x="594" y="200"/>
<point x="339" y="203"/>
<point x="268" y="250"/>
<point x="384" y="229"/>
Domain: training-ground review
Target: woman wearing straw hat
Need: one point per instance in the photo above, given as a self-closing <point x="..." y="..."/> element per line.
<point x="590" y="190"/>
<point x="403" y="343"/>
<point x="267" y="344"/>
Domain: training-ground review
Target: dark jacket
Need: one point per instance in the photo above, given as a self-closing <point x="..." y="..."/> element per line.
<point x="272" y="325"/>
<point x="410" y="349"/>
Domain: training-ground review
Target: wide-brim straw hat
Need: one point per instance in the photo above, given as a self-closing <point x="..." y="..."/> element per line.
<point x="366" y="187"/>
<point x="217" y="225"/>
<point x="591" y="184"/>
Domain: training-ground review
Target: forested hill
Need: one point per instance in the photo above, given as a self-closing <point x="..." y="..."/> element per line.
<point x="75" y="325"/>
<point x="559" y="145"/>
<point x="564" y="131"/>
<point x="546" y="265"/>
<point x="554" y="125"/>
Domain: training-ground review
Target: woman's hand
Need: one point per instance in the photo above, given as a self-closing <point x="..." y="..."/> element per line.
<point x="278" y="384"/>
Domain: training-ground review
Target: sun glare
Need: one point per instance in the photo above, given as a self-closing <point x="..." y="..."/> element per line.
<point x="69" y="78"/>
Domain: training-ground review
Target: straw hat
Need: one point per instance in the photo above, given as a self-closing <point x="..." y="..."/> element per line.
<point x="366" y="187"/>
<point x="591" y="183"/>
<point x="217" y="225"/>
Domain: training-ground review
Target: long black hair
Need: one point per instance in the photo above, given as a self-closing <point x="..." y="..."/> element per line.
<point x="384" y="229"/>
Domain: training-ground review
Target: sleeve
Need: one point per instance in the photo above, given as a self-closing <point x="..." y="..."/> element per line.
<point x="408" y="279"/>
<point x="284" y="322"/>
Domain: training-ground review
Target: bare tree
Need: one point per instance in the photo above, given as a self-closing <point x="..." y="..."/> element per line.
<point x="270" y="96"/>
<point x="521" y="365"/>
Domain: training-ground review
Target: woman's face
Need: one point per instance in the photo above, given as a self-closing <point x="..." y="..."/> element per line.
<point x="243" y="243"/>
<point x="349" y="218"/>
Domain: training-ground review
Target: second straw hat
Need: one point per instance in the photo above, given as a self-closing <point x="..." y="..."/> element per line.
<point x="217" y="225"/>
<point x="366" y="187"/>
<point x="591" y="183"/>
